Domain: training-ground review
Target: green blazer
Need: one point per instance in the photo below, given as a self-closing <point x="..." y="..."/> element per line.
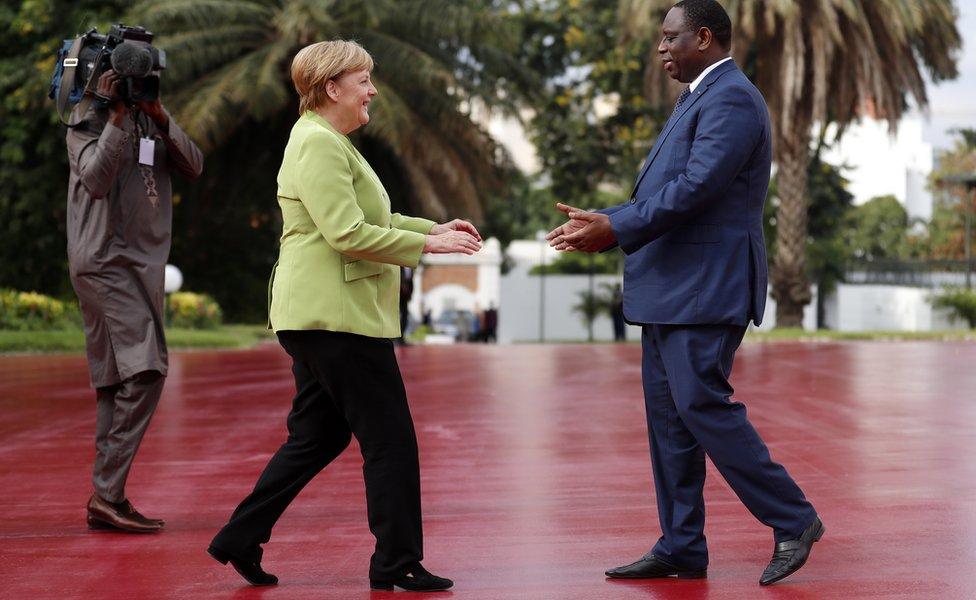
<point x="340" y="245"/>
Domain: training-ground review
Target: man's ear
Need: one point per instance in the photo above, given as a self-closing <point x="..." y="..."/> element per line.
<point x="705" y="39"/>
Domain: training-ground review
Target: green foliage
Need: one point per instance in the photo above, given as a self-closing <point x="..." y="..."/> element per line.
<point x="570" y="263"/>
<point x="947" y="228"/>
<point x="830" y="203"/>
<point x="961" y="302"/>
<point x="33" y="160"/>
<point x="600" y="302"/>
<point x="532" y="208"/>
<point x="433" y="58"/>
<point x="799" y="55"/>
<point x="878" y="229"/>
<point x="229" y="86"/>
<point x="528" y="210"/>
<point x="419" y="334"/>
<point x="192" y="311"/>
<point x="226" y="224"/>
<point x="73" y="339"/>
<point x="593" y="125"/>
<point x="825" y="335"/>
<point x="968" y="137"/>
<point x="30" y="311"/>
<point x="579" y="263"/>
<point x="945" y="235"/>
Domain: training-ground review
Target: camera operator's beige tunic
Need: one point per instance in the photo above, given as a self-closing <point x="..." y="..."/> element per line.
<point x="118" y="242"/>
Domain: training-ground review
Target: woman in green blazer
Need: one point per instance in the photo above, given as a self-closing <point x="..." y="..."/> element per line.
<point x="334" y="306"/>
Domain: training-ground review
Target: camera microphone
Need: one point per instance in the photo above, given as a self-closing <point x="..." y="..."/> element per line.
<point x="132" y="60"/>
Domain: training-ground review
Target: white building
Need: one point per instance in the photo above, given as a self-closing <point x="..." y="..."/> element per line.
<point x="457" y="281"/>
<point x="881" y="163"/>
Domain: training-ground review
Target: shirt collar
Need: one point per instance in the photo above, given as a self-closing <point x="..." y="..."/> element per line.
<point x="707" y="70"/>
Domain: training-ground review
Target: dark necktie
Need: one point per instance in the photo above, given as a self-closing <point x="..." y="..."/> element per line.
<point x="681" y="99"/>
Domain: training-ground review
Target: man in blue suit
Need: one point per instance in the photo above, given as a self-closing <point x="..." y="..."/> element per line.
<point x="695" y="275"/>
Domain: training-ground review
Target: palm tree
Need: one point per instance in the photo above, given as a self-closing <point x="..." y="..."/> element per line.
<point x="435" y="60"/>
<point x="592" y="305"/>
<point x="819" y="62"/>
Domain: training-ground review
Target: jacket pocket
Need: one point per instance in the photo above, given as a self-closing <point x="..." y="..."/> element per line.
<point x="359" y="269"/>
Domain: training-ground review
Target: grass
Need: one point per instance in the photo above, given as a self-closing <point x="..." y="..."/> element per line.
<point x="73" y="340"/>
<point x="822" y="335"/>
<point x="245" y="336"/>
<point x="825" y="335"/>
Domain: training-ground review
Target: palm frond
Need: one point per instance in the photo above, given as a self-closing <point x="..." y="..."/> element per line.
<point x="230" y="67"/>
<point x="827" y="59"/>
<point x="202" y="14"/>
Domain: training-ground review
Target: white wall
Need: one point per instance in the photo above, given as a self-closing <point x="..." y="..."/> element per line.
<point x="848" y="308"/>
<point x="518" y="314"/>
<point x="809" y="312"/>
<point x="851" y="307"/>
<point x="884" y="308"/>
<point x="488" y="262"/>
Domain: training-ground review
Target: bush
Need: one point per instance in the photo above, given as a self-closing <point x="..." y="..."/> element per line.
<point x="192" y="311"/>
<point x="600" y="304"/>
<point x="580" y="263"/>
<point x="30" y="311"/>
<point x="961" y="302"/>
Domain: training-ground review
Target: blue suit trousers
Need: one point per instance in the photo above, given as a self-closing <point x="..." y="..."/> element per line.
<point x="690" y="413"/>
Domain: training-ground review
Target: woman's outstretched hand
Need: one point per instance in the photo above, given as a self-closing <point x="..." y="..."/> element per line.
<point x="452" y="241"/>
<point x="455" y="225"/>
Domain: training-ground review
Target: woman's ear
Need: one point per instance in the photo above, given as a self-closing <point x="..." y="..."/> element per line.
<point x="332" y="90"/>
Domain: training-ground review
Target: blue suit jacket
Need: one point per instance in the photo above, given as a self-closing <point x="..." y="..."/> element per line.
<point x="692" y="231"/>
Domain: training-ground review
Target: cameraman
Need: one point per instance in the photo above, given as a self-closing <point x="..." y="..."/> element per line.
<point x="119" y="227"/>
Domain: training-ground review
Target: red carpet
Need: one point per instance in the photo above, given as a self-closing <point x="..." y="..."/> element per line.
<point x="535" y="476"/>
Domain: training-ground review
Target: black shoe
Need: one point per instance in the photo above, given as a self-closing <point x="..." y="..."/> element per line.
<point x="249" y="570"/>
<point x="417" y="579"/>
<point x="790" y="555"/>
<point x="650" y="566"/>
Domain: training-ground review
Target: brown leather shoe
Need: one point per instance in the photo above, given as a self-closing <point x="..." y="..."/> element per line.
<point x="122" y="516"/>
<point x="129" y="510"/>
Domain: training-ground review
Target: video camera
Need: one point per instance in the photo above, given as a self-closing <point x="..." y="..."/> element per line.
<point x="129" y="52"/>
<point x="81" y="61"/>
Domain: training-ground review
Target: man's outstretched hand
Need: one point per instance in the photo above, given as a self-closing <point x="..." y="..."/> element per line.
<point x="584" y="231"/>
<point x="556" y="237"/>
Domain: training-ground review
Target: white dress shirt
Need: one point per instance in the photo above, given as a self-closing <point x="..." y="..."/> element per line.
<point x="707" y="70"/>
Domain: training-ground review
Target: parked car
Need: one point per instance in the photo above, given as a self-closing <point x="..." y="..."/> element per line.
<point x="456" y="323"/>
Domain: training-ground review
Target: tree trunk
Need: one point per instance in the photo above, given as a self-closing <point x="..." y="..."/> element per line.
<point x="790" y="286"/>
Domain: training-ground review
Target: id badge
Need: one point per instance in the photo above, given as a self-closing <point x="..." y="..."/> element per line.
<point x="147" y="151"/>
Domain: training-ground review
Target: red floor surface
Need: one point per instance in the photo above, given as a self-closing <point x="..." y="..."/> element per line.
<point x="535" y="476"/>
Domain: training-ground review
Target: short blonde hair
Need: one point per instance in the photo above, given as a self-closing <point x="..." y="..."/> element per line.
<point x="316" y="64"/>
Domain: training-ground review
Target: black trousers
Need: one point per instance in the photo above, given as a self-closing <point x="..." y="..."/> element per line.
<point x="346" y="385"/>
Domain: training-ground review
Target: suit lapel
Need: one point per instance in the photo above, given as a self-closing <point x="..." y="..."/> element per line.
<point x="669" y="126"/>
<point x="363" y="164"/>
